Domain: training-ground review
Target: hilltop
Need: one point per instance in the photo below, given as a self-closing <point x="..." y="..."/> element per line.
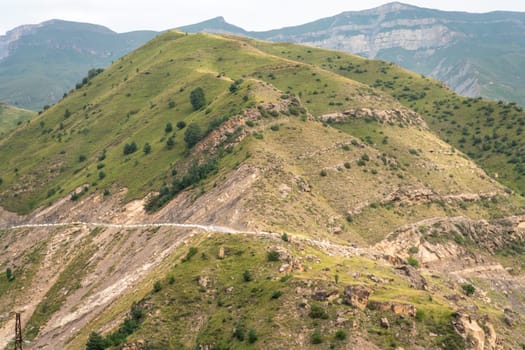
<point x="474" y="54"/>
<point x="11" y="117"/>
<point x="327" y="198"/>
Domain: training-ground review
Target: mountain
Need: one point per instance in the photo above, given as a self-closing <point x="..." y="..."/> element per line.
<point x="39" y="63"/>
<point x="474" y="54"/>
<point x="213" y="191"/>
<point x="11" y="116"/>
<point x="215" y="25"/>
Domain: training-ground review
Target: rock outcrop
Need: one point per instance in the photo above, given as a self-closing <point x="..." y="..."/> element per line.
<point x="357" y="296"/>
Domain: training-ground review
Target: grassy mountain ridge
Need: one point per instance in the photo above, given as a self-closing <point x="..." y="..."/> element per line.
<point x="11" y="116"/>
<point x="475" y="54"/>
<point x="336" y="173"/>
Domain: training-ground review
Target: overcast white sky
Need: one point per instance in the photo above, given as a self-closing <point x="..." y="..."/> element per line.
<point x="127" y="15"/>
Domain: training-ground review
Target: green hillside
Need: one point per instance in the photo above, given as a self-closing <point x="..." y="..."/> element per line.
<point x="488" y="132"/>
<point x="316" y="155"/>
<point x="11" y="117"/>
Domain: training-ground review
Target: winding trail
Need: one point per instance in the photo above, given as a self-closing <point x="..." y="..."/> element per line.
<point x="330" y="247"/>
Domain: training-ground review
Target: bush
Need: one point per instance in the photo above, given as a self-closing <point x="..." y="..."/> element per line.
<point x="197" y="98"/>
<point x="193" y="135"/>
<point x="413" y="262"/>
<point x="316" y="337"/>
<point x="181" y="125"/>
<point x="323" y="173"/>
<point x="95" y="342"/>
<point x="9" y="274"/>
<point x="170" y="142"/>
<point x="317" y="311"/>
<point x="413" y="250"/>
<point x="147" y="148"/>
<point x="273" y="255"/>
<point x="101" y="175"/>
<point x="277" y="294"/>
<point x="468" y="288"/>
<point x="157" y="287"/>
<point x="274" y="127"/>
<point x="247" y="276"/>
<point x="285" y="237"/>
<point x="347" y="165"/>
<point x="238" y="333"/>
<point x="168" y="128"/>
<point x="349" y="218"/>
<point x="252" y="336"/>
<point x="82" y="158"/>
<point x="190" y="254"/>
<point x="130" y="148"/>
<point x="340" y="335"/>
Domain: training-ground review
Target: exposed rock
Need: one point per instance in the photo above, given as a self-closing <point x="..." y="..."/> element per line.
<point x="470" y="330"/>
<point x="384" y="322"/>
<point x="395" y="307"/>
<point x="357" y="296"/>
<point x="204" y="281"/>
<point x="416" y="280"/>
<point x="284" y="254"/>
<point x="492" y="336"/>
<point x="222" y="253"/>
<point x="285" y="268"/>
<point x="323" y="295"/>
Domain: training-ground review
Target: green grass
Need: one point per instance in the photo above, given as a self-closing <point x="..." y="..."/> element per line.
<point x="11" y="117"/>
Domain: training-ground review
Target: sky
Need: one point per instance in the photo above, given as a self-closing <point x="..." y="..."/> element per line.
<point x="128" y="15"/>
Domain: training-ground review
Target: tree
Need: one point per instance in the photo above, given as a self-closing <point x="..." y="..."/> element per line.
<point x="147" y="148"/>
<point x="95" y="342"/>
<point x="193" y="135"/>
<point x="181" y="125"/>
<point x="197" y="98"/>
<point x="168" y="128"/>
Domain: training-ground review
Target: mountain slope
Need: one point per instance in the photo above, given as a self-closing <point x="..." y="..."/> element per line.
<point x="39" y="63"/>
<point x="11" y="116"/>
<point x="305" y="182"/>
<point x="474" y="54"/>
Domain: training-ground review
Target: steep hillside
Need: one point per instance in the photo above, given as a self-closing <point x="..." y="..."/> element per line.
<point x="39" y="63"/>
<point x="11" y="116"/>
<point x="474" y="54"/>
<point x="331" y="211"/>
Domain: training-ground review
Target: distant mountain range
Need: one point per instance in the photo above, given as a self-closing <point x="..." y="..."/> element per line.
<point x="474" y="54"/>
<point x="39" y="63"/>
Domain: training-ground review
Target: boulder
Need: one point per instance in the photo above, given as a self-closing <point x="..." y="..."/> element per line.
<point x="470" y="330"/>
<point x="357" y="296"/>
<point x="385" y="323"/>
<point x="396" y="308"/>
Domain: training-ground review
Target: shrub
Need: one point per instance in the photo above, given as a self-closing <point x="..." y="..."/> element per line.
<point x="274" y="127"/>
<point x="413" y="262"/>
<point x="170" y="142"/>
<point x="238" y="333"/>
<point x="317" y="311"/>
<point x="323" y="173"/>
<point x="95" y="342"/>
<point x="193" y="135"/>
<point x="181" y="125"/>
<point x="247" y="276"/>
<point x="197" y="98"/>
<point x="157" y="287"/>
<point x="340" y="335"/>
<point x="1" y="181"/>
<point x="346" y="147"/>
<point x="190" y="254"/>
<point x="273" y="255"/>
<point x="468" y="288"/>
<point x="9" y="274"/>
<point x="130" y="148"/>
<point x="101" y="175"/>
<point x="168" y="128"/>
<point x="252" y="336"/>
<point x="81" y="158"/>
<point x="413" y="250"/>
<point x="349" y="218"/>
<point x="171" y="104"/>
<point x="285" y="237"/>
<point x="147" y="148"/>
<point x="316" y="337"/>
<point x="347" y="165"/>
<point x="277" y="294"/>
